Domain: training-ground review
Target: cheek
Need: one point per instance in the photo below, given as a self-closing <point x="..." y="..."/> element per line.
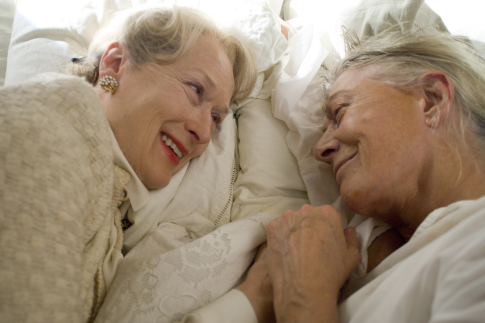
<point x="199" y="150"/>
<point x="363" y="181"/>
<point x="196" y="153"/>
<point x="355" y="127"/>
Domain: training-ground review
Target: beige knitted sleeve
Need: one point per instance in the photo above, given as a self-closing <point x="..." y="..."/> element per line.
<point x="56" y="179"/>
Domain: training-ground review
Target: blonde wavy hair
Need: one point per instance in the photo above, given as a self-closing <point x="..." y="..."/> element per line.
<point x="162" y="35"/>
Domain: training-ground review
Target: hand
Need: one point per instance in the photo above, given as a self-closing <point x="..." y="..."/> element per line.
<point x="310" y="256"/>
<point x="257" y="287"/>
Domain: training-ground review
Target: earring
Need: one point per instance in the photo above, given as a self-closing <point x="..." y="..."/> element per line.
<point x="108" y="84"/>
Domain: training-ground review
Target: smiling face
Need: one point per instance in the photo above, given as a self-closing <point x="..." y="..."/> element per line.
<point x="375" y="138"/>
<point x="164" y="115"/>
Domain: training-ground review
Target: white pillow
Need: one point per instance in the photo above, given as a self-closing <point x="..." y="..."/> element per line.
<point x="47" y="34"/>
<point x="297" y="101"/>
<point x="7" y="10"/>
<point x="269" y="179"/>
<point x="370" y="16"/>
<point x="463" y="18"/>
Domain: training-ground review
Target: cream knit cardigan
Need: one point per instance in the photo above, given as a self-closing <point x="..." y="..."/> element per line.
<point x="59" y="192"/>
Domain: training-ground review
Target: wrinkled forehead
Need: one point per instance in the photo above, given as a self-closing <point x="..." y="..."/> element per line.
<point x="345" y="83"/>
<point x="351" y="80"/>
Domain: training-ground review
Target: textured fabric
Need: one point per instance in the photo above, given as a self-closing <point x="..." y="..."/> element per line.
<point x="168" y="274"/>
<point x="59" y="192"/>
<point x="297" y="101"/>
<point x="268" y="180"/>
<point x="233" y="307"/>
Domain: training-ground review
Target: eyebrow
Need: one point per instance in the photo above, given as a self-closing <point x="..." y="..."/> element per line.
<point x="345" y="93"/>
<point x="208" y="79"/>
<point x="226" y="111"/>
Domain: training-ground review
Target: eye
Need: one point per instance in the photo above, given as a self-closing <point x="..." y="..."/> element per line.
<point x="339" y="113"/>
<point x="196" y="89"/>
<point x="216" y="119"/>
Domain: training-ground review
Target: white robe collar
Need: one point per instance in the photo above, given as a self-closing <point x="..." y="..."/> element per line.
<point x="139" y="194"/>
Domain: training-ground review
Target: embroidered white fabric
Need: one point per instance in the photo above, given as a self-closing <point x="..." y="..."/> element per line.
<point x="163" y="277"/>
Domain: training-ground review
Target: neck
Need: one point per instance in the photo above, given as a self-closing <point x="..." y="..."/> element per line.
<point x="456" y="175"/>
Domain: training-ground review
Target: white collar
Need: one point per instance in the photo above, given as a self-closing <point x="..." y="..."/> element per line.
<point x="138" y="193"/>
<point x="443" y="212"/>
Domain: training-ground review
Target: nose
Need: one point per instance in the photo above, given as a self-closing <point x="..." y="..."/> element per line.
<point x="326" y="147"/>
<point x="201" y="128"/>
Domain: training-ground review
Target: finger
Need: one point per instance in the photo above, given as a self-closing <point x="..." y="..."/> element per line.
<point x="272" y="233"/>
<point x="332" y="215"/>
<point x="278" y="228"/>
<point x="351" y="237"/>
<point x="327" y="209"/>
<point x="261" y="251"/>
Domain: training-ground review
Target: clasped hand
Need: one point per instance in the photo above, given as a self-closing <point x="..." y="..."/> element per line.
<point x="297" y="276"/>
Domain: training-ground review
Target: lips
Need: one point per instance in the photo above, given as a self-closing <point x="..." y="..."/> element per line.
<point x="174" y="149"/>
<point x="341" y="163"/>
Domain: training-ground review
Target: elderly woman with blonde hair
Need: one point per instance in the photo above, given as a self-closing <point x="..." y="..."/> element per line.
<point x="162" y="80"/>
<point x="404" y="131"/>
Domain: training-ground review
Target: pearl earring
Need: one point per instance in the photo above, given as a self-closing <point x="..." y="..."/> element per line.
<point x="108" y="84"/>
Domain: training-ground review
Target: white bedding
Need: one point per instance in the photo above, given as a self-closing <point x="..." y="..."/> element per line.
<point x="274" y="169"/>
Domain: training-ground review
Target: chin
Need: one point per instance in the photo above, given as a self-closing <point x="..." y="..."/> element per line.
<point x="156" y="183"/>
<point x="371" y="207"/>
<point x="357" y="201"/>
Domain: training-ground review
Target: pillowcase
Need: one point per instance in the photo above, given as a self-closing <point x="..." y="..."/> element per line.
<point x="45" y="43"/>
<point x="269" y="179"/>
<point x="371" y="16"/>
<point x="7" y="10"/>
<point x="463" y="18"/>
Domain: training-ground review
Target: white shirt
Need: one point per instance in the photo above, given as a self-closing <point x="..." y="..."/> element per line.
<point x="438" y="276"/>
<point x="138" y="198"/>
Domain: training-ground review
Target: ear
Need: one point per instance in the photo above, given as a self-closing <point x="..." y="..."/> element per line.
<point x="438" y="94"/>
<point x="112" y="61"/>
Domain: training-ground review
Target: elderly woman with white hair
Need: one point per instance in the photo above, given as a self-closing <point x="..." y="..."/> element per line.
<point x="161" y="80"/>
<point x="404" y="131"/>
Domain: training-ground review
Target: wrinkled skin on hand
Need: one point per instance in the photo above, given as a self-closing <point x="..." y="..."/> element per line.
<point x="257" y="287"/>
<point x="309" y="258"/>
